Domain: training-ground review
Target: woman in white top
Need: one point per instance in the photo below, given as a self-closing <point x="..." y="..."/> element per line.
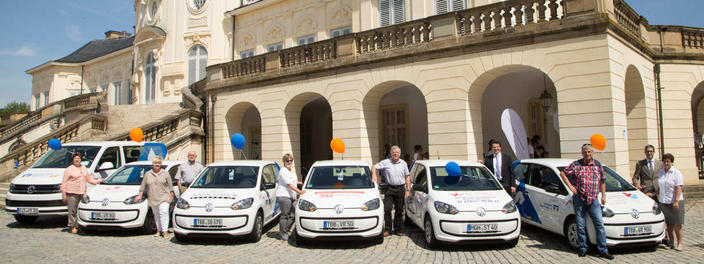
<point x="671" y="199"/>
<point x="286" y="193"/>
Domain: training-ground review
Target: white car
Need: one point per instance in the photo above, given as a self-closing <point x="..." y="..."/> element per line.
<point x="465" y="208"/>
<point x="341" y="200"/>
<point x="630" y="216"/>
<point x="228" y="198"/>
<point x="36" y="191"/>
<point x="111" y="204"/>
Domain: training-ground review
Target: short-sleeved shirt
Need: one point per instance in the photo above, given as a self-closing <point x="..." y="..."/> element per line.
<point x="586" y="178"/>
<point x="395" y="173"/>
<point x="75" y="179"/>
<point x="188" y="172"/>
<point x="668" y="182"/>
<point x="158" y="187"/>
<point x="283" y="179"/>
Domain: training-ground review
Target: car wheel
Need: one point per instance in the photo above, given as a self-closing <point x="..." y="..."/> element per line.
<point x="149" y="226"/>
<point x="512" y="243"/>
<point x="180" y="237"/>
<point x="302" y="240"/>
<point x="571" y="234"/>
<point x="379" y="239"/>
<point x="256" y="234"/>
<point x="25" y="219"/>
<point x="430" y="239"/>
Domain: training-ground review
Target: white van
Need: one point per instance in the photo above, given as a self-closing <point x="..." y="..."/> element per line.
<point x="36" y="191"/>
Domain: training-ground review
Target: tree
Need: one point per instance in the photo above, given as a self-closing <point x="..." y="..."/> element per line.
<point x="14" y="107"/>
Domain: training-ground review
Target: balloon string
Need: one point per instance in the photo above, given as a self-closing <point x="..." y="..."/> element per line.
<point x="243" y="155"/>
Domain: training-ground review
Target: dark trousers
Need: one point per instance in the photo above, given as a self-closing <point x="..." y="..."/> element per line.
<point x="395" y="195"/>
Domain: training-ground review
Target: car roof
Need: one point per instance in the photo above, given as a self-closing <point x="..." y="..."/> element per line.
<point x="149" y="162"/>
<point x="436" y="163"/>
<point x="340" y="163"/>
<point x="104" y="143"/>
<point x="241" y="163"/>
<point x="549" y="162"/>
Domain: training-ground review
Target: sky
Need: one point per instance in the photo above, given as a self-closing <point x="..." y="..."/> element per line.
<point x="38" y="31"/>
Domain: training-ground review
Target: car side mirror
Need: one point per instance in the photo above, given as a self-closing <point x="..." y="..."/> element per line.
<point x="106" y="166"/>
<point x="420" y="188"/>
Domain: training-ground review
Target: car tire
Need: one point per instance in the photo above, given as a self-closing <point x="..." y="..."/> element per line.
<point x="571" y="234"/>
<point x="512" y="243"/>
<point x="301" y="240"/>
<point x="379" y="239"/>
<point x="149" y="226"/>
<point x="26" y="219"/>
<point x="180" y="237"/>
<point x="429" y="234"/>
<point x="257" y="228"/>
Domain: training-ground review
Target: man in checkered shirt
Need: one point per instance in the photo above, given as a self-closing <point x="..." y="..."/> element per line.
<point x="586" y="180"/>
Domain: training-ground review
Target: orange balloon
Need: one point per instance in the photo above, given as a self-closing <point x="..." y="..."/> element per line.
<point x="337" y="145"/>
<point x="598" y="141"/>
<point x="136" y="134"/>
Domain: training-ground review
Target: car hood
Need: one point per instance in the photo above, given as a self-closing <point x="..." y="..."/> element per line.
<point x="115" y="193"/>
<point x="625" y="202"/>
<point x="218" y="197"/>
<point x="349" y="198"/>
<point x="472" y="200"/>
<point x="39" y="176"/>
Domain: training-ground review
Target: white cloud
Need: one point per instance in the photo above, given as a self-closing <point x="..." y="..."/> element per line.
<point x="23" y="51"/>
<point x="73" y="32"/>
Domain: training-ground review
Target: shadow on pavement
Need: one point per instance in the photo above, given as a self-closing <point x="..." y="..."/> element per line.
<point x="43" y="222"/>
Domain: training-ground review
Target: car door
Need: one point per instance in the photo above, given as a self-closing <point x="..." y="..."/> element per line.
<point x="172" y="172"/>
<point x="525" y="194"/>
<point x="268" y="192"/>
<point x="547" y="195"/>
<point x="420" y="194"/>
<point x="109" y="162"/>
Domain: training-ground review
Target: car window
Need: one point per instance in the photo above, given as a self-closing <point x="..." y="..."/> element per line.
<point x="132" y="153"/>
<point x="112" y="154"/>
<point x="172" y="171"/>
<point x="472" y="178"/>
<point x="421" y="175"/>
<point x="520" y="172"/>
<point x="63" y="157"/>
<point x="340" y="177"/>
<point x="129" y="175"/>
<point x="227" y="177"/>
<point x="614" y="182"/>
<point x="269" y="174"/>
<point x="534" y="175"/>
<point x="550" y="178"/>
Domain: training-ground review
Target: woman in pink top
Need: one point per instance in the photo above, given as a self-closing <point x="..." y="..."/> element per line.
<point x="73" y="188"/>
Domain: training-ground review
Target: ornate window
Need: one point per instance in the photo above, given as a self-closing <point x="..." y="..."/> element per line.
<point x="150" y="77"/>
<point x="247" y="54"/>
<point x="444" y="6"/>
<point x="197" y="4"/>
<point x="340" y="31"/>
<point x="275" y="47"/>
<point x="391" y="12"/>
<point x="118" y="92"/>
<point x="197" y="60"/>
<point x="36" y="101"/>
<point x="306" y="40"/>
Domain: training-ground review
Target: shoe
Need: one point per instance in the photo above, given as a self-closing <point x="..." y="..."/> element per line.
<point x="680" y="247"/>
<point x="606" y="255"/>
<point x="386" y="233"/>
<point x="165" y="235"/>
<point x="74" y="231"/>
<point x="582" y="253"/>
<point x="399" y="233"/>
<point x="671" y="244"/>
<point x="284" y="237"/>
<point x="157" y="234"/>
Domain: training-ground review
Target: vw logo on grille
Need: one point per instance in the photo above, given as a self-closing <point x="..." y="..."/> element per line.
<point x="635" y="213"/>
<point x="481" y="211"/>
<point x="209" y="207"/>
<point x="339" y="209"/>
<point x="31" y="189"/>
<point x="105" y="202"/>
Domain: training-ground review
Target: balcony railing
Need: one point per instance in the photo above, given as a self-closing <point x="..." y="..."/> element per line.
<point x="627" y="17"/>
<point x="509" y="14"/>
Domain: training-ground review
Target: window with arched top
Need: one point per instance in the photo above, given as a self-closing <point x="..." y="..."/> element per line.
<point x="197" y="61"/>
<point x="150" y="80"/>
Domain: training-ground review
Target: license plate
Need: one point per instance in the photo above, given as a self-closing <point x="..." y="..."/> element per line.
<point x="28" y="211"/>
<point x="207" y="222"/>
<point x="338" y="224"/>
<point x="482" y="228"/>
<point x="102" y="215"/>
<point x="637" y="230"/>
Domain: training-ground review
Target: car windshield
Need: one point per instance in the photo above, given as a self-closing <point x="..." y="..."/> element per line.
<point x="340" y="177"/>
<point x="129" y="175"/>
<point x="614" y="182"/>
<point x="227" y="177"/>
<point x="62" y="158"/>
<point x="472" y="178"/>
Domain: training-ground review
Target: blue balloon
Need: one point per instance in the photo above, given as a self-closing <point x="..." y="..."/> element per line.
<point x="453" y="169"/>
<point x="54" y="144"/>
<point x="237" y="141"/>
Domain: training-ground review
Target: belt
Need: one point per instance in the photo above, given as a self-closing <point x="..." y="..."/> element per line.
<point x="185" y="184"/>
<point x="396" y="186"/>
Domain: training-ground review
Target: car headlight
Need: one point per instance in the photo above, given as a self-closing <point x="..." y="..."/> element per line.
<point x="372" y="204"/>
<point x="607" y="213"/>
<point x="86" y="199"/>
<point x="242" y="204"/>
<point x="12" y="187"/>
<point x="656" y="209"/>
<point x="510" y="207"/>
<point x="306" y="206"/>
<point x="182" y="204"/>
<point x="130" y="200"/>
<point x="444" y="208"/>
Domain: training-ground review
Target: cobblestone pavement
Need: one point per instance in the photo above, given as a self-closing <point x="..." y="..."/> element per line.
<point x="48" y="241"/>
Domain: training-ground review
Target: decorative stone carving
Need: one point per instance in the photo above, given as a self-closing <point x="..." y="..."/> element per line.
<point x="198" y="22"/>
<point x="341" y="17"/>
<point x="305" y="25"/>
<point x="274" y="33"/>
<point x="247" y="40"/>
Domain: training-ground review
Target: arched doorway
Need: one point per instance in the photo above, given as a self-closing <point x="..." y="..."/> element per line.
<point x="396" y="114"/>
<point x="532" y="95"/>
<point x="636" y="130"/>
<point x="244" y="118"/>
<point x="698" y="124"/>
<point x="309" y="119"/>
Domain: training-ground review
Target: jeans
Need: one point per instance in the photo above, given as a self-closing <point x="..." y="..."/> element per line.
<point x="161" y="216"/>
<point x="594" y="210"/>
<point x="287" y="214"/>
<point x="395" y="195"/>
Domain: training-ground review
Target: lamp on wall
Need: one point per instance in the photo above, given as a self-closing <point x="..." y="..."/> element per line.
<point x="545" y="97"/>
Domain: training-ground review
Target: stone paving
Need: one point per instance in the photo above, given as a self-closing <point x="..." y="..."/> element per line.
<point x="48" y="241"/>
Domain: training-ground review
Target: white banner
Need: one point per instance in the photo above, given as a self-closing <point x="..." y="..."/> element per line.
<point x="515" y="133"/>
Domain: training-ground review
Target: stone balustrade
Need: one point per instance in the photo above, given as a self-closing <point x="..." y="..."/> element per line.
<point x="392" y="37"/>
<point x="157" y="131"/>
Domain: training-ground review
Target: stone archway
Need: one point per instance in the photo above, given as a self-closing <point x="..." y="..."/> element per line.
<point x="636" y="116"/>
<point x="309" y="121"/>
<point x="244" y="118"/>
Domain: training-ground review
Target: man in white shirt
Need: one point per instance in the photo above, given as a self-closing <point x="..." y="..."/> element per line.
<point x="398" y="178"/>
<point x="187" y="172"/>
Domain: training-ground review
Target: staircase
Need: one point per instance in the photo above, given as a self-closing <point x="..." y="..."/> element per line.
<point x="695" y="192"/>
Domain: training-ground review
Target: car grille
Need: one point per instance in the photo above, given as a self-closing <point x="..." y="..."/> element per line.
<point x="35" y="189"/>
<point x="16" y="203"/>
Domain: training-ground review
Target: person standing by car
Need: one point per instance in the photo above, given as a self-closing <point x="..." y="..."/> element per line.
<point x="187" y="172"/>
<point x="645" y="177"/>
<point x="73" y="188"/>
<point x="159" y="188"/>
<point x="399" y="181"/>
<point x="500" y="165"/>
<point x="286" y="193"/>
<point x="589" y="179"/>
<point x="671" y="200"/>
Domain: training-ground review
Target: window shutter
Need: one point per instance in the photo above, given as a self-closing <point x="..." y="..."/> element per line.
<point x="202" y="63"/>
<point x="384" y="13"/>
<point x="399" y="14"/>
<point x="441" y="7"/>
<point x="458" y="5"/>
<point x="192" y="66"/>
